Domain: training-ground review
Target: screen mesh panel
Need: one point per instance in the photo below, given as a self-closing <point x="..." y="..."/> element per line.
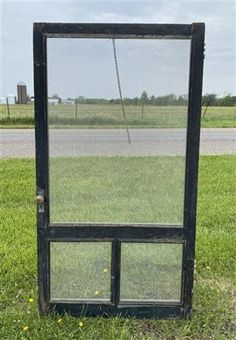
<point x="110" y="163"/>
<point x="151" y="271"/>
<point x="80" y="270"/>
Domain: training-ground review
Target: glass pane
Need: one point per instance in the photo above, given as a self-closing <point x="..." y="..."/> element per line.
<point x="112" y="160"/>
<point x="80" y="270"/>
<point x="151" y="271"/>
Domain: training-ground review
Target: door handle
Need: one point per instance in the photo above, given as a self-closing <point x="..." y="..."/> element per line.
<point x="39" y="199"/>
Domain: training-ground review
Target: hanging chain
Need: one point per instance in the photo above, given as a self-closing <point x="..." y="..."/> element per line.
<point x="119" y="88"/>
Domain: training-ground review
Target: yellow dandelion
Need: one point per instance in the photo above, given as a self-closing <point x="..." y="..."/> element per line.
<point x="31" y="300"/>
<point x="208" y="268"/>
<point x="81" y="324"/>
<point x="97" y="292"/>
<point x="59" y="320"/>
<point x="25" y="328"/>
<point x="105" y="270"/>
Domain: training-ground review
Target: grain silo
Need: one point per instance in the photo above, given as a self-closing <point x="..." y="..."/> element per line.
<point x="21" y="93"/>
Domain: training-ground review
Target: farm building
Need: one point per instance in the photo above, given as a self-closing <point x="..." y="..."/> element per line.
<point x="68" y="101"/>
<point x="53" y="101"/>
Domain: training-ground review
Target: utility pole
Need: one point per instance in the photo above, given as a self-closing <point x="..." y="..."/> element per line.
<point x="8" y="110"/>
<point x="76" y="110"/>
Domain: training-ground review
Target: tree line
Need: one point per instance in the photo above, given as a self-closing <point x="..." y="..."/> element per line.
<point x="214" y="100"/>
<point x="170" y="99"/>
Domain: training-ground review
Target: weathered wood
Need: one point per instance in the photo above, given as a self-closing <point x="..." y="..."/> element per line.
<point x="110" y="30"/>
<point x="192" y="157"/>
<point x="111" y="232"/>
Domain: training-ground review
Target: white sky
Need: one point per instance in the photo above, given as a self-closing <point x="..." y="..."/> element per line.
<point x="16" y="19"/>
<point x="86" y="67"/>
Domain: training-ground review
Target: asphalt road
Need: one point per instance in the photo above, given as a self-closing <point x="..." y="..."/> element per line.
<point x="81" y="142"/>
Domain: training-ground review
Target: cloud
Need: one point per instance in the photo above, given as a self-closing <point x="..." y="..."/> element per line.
<point x="17" y="18"/>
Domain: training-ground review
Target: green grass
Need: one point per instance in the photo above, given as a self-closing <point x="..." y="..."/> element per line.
<point x="117" y="189"/>
<point x="20" y="116"/>
<point x="219" y="117"/>
<point x="149" y="271"/>
<point x="110" y="116"/>
<point x="214" y="291"/>
<point x="84" y="263"/>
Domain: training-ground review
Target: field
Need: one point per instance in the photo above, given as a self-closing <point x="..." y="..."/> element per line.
<point x="214" y="291"/>
<point x="110" y="115"/>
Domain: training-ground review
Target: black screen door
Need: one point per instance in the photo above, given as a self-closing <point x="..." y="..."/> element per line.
<point x="118" y="111"/>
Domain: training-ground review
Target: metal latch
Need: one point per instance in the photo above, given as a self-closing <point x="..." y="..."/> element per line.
<point x="39" y="199"/>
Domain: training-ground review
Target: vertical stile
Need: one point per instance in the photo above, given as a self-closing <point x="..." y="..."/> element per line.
<point x="115" y="272"/>
<point x="192" y="158"/>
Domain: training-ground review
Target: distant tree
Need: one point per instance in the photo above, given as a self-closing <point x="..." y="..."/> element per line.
<point x="152" y="100"/>
<point x="135" y="100"/>
<point x="55" y="96"/>
<point x="182" y="100"/>
<point x="80" y="99"/>
<point x="171" y="99"/>
<point x="210" y="100"/>
<point x="227" y="101"/>
<point x="144" y="97"/>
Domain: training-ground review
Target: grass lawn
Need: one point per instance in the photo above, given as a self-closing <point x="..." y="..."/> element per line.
<point x="110" y="116"/>
<point x="214" y="291"/>
<point x="81" y="270"/>
<point x="117" y="189"/>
